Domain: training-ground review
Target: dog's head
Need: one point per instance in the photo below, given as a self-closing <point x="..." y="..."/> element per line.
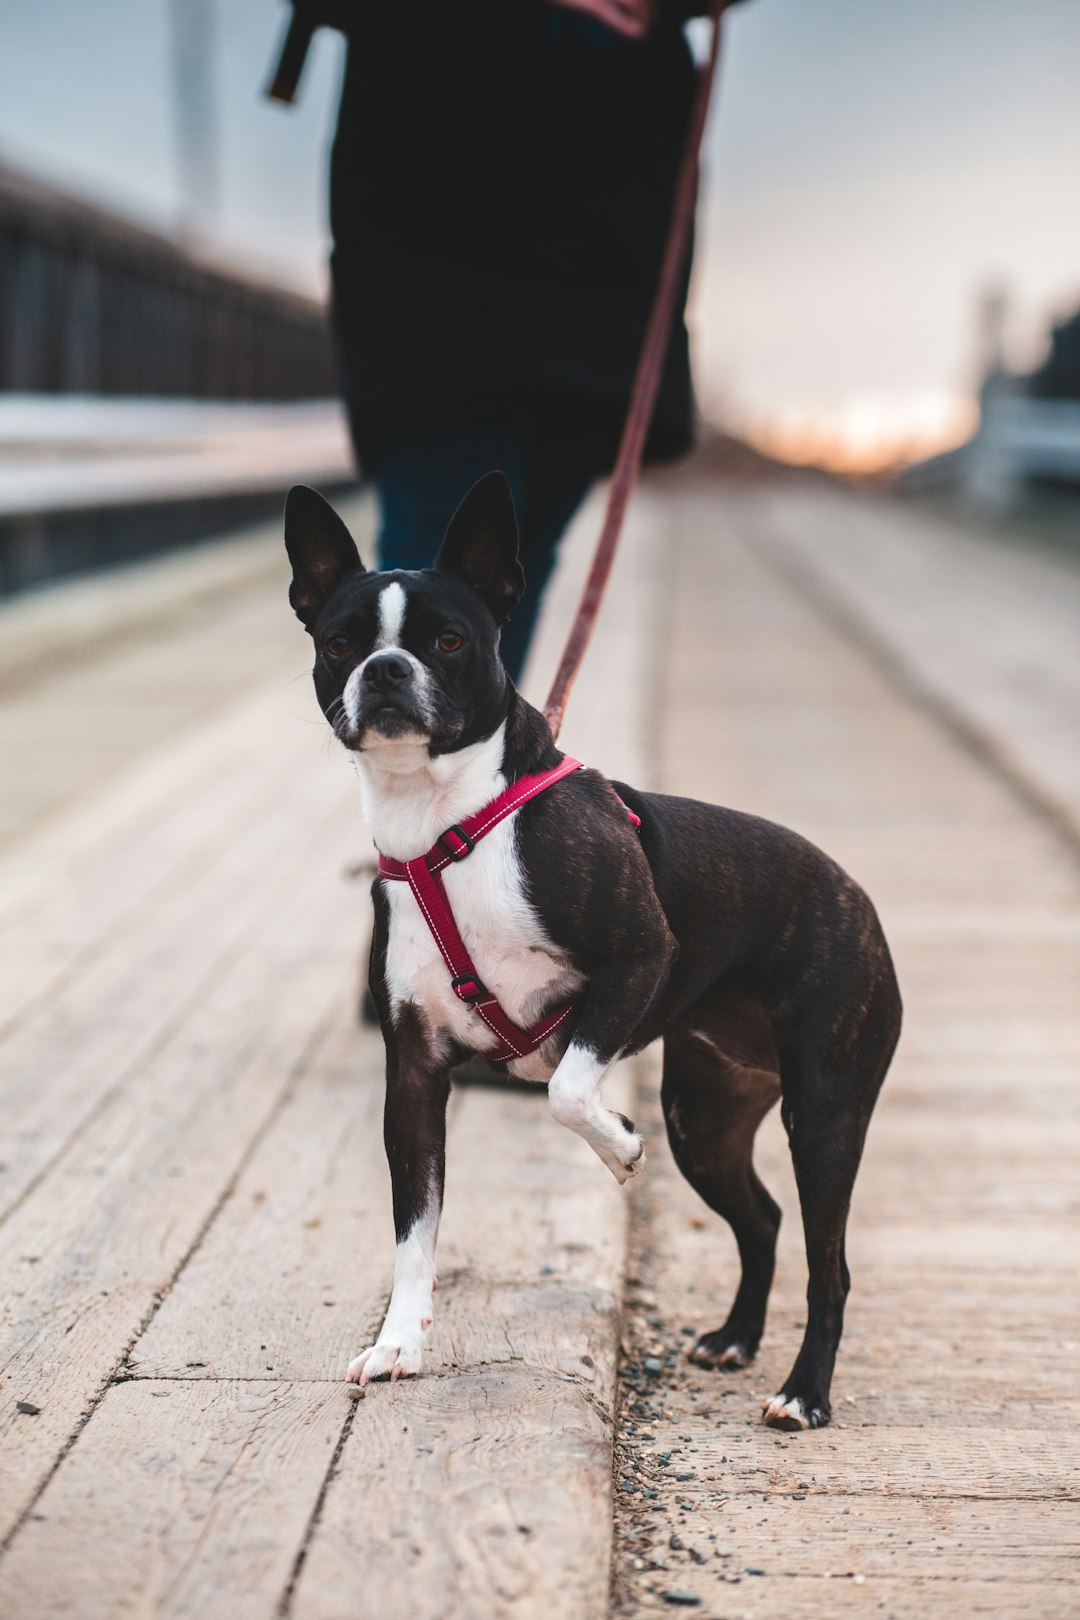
<point x="408" y="656"/>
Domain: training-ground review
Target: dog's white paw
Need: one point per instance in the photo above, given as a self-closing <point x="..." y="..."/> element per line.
<point x="386" y="1360"/>
<point x="622" y="1149"/>
<point x="791" y="1412"/>
<point x="782" y="1413"/>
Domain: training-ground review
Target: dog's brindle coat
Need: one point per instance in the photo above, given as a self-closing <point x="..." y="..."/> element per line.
<point x="758" y="962"/>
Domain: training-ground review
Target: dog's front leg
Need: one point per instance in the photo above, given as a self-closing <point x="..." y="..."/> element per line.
<point x="618" y="998"/>
<point x="414" y="1130"/>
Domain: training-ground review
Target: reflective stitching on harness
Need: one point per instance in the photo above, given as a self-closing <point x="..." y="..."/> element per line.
<point x="505" y="1039"/>
<point x="523" y="798"/>
<point x="431" y="923"/>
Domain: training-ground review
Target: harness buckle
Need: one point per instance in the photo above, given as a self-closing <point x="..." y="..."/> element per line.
<point x="466" y="847"/>
<point x="468" y="988"/>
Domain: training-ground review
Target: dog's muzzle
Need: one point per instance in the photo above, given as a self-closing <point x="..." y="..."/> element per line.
<point x="388" y="695"/>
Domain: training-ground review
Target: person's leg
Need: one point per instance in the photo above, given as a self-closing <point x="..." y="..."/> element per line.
<point x="569" y="448"/>
<point x="423" y="462"/>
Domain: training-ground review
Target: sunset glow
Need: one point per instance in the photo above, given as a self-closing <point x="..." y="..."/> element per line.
<point x="863" y="436"/>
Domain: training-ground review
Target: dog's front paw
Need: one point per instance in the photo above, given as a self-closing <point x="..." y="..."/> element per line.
<point x="622" y="1149"/>
<point x="386" y="1360"/>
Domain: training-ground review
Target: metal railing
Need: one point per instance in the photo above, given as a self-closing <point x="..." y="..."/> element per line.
<point x="92" y="304"/>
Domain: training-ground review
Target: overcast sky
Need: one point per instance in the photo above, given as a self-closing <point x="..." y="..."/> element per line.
<point x="870" y="164"/>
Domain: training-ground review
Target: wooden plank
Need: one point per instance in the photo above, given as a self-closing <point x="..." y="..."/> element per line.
<point x="804" y="1554"/>
<point x="494" y="1491"/>
<point x="72" y="895"/>
<point x="181" y="1500"/>
<point x="1001" y="1599"/>
<point x="938" y="1461"/>
<point x="295" y="1272"/>
<point x="78" y="727"/>
<point x="91" y="1251"/>
<point x="101" y="1031"/>
<point x="1007" y="662"/>
<point x="802" y="1533"/>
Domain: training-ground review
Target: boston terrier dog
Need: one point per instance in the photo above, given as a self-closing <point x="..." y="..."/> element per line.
<point x="596" y="918"/>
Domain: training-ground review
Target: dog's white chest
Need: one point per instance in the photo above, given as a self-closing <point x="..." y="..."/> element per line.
<point x="501" y="932"/>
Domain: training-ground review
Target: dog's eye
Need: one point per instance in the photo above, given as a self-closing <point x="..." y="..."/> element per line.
<point x="337" y="645"/>
<point x="448" y="642"/>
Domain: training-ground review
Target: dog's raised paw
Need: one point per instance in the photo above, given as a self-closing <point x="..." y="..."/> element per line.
<point x="628" y="1159"/>
<point x="790" y="1412"/>
<point x="384" y="1360"/>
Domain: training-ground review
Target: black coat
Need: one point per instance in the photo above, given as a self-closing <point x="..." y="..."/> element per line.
<point x="501" y="187"/>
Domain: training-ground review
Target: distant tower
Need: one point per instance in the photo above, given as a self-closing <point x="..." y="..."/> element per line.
<point x="191" y="38"/>
<point x="991" y="473"/>
<point x="992" y="319"/>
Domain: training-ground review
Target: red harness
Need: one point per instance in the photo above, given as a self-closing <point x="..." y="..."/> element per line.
<point x="423" y="877"/>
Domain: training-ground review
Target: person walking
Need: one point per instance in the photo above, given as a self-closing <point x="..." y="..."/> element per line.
<point x="501" y="186"/>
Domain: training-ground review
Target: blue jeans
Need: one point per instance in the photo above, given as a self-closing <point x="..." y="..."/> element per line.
<point x="423" y="462"/>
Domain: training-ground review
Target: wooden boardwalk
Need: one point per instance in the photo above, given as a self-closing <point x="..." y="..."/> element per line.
<point x="194" y="1213"/>
<point x="892" y="689"/>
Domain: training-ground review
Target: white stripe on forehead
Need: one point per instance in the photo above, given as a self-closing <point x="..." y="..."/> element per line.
<point x="391" y="615"/>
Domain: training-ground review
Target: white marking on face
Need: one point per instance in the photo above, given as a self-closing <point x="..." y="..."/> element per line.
<point x="391" y="615"/>
<point x="398" y="1351"/>
<point x="574" y="1096"/>
<point x="391" y="607"/>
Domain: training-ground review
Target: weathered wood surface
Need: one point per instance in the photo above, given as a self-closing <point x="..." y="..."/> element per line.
<point x="949" y="1482"/>
<point x="490" y="1496"/>
<point x="982" y="623"/>
<point x="195" y="1231"/>
<point x="185" y="1499"/>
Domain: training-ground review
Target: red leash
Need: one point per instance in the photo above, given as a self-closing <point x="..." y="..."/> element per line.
<point x="646" y="382"/>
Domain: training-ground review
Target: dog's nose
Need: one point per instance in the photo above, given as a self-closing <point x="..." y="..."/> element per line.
<point x="386" y="671"/>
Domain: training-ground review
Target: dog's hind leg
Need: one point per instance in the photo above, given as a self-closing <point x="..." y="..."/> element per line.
<point x="829" y="1095"/>
<point x="713" y="1104"/>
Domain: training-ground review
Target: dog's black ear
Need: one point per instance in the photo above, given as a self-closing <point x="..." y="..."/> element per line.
<point x="481" y="545"/>
<point x="321" y="550"/>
